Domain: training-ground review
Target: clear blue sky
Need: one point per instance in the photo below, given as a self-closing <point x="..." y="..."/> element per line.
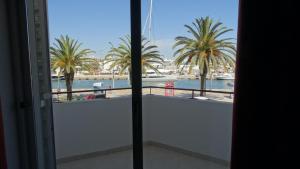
<point x="97" y="22"/>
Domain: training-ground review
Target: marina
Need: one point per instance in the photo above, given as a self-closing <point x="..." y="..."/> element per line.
<point x="180" y="83"/>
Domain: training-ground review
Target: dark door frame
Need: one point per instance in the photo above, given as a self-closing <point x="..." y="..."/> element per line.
<point x="137" y="130"/>
<point x="3" y="163"/>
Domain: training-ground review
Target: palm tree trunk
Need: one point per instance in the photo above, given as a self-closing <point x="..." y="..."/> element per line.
<point x="69" y="77"/>
<point x="203" y="81"/>
<point x="202" y="84"/>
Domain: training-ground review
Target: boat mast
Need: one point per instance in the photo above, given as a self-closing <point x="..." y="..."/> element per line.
<point x="149" y="21"/>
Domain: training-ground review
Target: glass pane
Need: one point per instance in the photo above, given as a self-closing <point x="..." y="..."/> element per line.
<point x="188" y="90"/>
<point x="91" y="103"/>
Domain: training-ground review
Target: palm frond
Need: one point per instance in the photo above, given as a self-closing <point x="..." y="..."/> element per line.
<point x="121" y="56"/>
<point x="205" y="48"/>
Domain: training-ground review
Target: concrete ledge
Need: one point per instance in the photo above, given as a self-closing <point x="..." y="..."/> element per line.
<point x="189" y="153"/>
<point x="147" y="143"/>
<point x="93" y="154"/>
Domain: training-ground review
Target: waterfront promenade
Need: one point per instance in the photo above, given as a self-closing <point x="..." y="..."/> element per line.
<point x="154" y="91"/>
<point x="120" y="77"/>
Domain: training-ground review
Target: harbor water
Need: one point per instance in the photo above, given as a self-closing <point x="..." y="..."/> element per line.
<point x="188" y="84"/>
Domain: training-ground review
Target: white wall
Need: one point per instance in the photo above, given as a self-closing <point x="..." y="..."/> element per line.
<point x="85" y="127"/>
<point x="199" y="126"/>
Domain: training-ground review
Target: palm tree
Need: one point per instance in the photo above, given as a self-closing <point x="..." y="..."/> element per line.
<point x="205" y="48"/>
<point x="67" y="55"/>
<point x="121" y="56"/>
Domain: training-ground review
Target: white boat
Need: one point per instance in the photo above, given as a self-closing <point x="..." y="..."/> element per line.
<point x="152" y="76"/>
<point x="98" y="85"/>
<point x="56" y="77"/>
<point x="225" y="76"/>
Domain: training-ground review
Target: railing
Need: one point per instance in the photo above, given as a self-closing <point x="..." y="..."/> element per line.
<point x="152" y="90"/>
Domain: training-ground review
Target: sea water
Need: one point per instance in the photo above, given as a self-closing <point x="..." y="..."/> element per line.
<point x="188" y="84"/>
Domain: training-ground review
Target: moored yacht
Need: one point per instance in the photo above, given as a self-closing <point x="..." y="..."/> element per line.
<point x="224" y="76"/>
<point x="152" y="76"/>
<point x="56" y="77"/>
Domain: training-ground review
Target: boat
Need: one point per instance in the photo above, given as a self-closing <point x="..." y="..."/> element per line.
<point x="56" y="77"/>
<point x="152" y="76"/>
<point x="159" y="78"/>
<point x="224" y="76"/>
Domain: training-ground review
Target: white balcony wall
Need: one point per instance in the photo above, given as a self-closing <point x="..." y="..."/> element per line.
<point x="202" y="127"/>
<point x="198" y="126"/>
<point x="90" y="126"/>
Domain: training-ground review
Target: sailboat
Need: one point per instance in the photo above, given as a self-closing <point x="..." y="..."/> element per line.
<point x="151" y="75"/>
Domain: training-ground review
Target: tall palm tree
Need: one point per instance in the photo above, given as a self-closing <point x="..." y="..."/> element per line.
<point x="66" y="54"/>
<point x="205" y="48"/>
<point x="121" y="56"/>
